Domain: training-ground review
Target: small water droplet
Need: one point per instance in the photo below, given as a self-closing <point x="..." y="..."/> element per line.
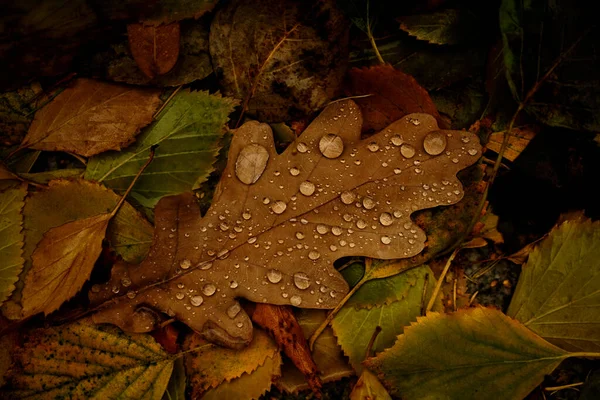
<point x="301" y="280"/>
<point x="196" y="300"/>
<point x="307" y="188"/>
<point x="347" y="197"/>
<point x="386" y="240"/>
<point x="234" y="310"/>
<point x="115" y="289"/>
<point x="435" y="143"/>
<point x="322" y="229"/>
<point x="246" y="215"/>
<point x="251" y="163"/>
<point x="465" y="139"/>
<point x="295" y="300"/>
<point x="223" y="254"/>
<point x="274" y="276"/>
<point x="414" y="121"/>
<point x="233" y="284"/>
<point x="455" y="160"/>
<point x="397" y="171"/>
<point x="333" y="247"/>
<point x="386" y="219"/>
<point x="347" y="217"/>
<point x="472" y="152"/>
<point x="331" y="146"/>
<point x="179" y="295"/>
<point x="373" y="147"/>
<point x="278" y="207"/>
<point x="294" y="171"/>
<point x="126" y="282"/>
<point x="131" y="294"/>
<point x="336" y="230"/>
<point x="205" y="265"/>
<point x="302" y="147"/>
<point x="314" y="255"/>
<point x="209" y="289"/>
<point x="239" y="324"/>
<point x="361" y="224"/>
<point x="407" y="150"/>
<point x="266" y="200"/>
<point x="397" y="140"/>
<point x="299" y="235"/>
<point x="397" y="214"/>
<point x="368" y="203"/>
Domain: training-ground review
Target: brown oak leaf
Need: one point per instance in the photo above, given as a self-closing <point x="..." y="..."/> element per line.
<point x="155" y="49"/>
<point x="278" y="222"/>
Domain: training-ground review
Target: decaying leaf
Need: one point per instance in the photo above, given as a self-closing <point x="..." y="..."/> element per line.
<point x="519" y="139"/>
<point x="290" y="65"/>
<point x="155" y="49"/>
<point x="187" y="131"/>
<point x="11" y="238"/>
<point x="176" y="387"/>
<point x="331" y="363"/>
<point x="394" y="94"/>
<point x="558" y="293"/>
<point x="62" y="262"/>
<point x="85" y="361"/>
<point x="92" y="117"/>
<point x="354" y="326"/>
<point x="449" y="26"/>
<point x="483" y="351"/>
<point x="225" y="364"/>
<point x="327" y="196"/>
<point x="66" y="201"/>
<point x="368" y="387"/>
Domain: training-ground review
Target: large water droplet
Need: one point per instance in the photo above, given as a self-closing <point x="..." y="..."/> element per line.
<point x="386" y="219"/>
<point x="209" y="289"/>
<point x="246" y="215"/>
<point x="347" y="197"/>
<point x="322" y="229"/>
<point x="331" y="146"/>
<point x="302" y="147"/>
<point x="368" y="203"/>
<point x="314" y="255"/>
<point x="234" y="310"/>
<point x="373" y="147"/>
<point x="251" y="163"/>
<point x="336" y="230"/>
<point x="274" y="276"/>
<point x="295" y="300"/>
<point x="407" y="150"/>
<point x="196" y="300"/>
<point x="206" y="265"/>
<point x="361" y="224"/>
<point x="386" y="240"/>
<point x="397" y="140"/>
<point x="435" y="143"/>
<point x="301" y="280"/>
<point x="185" y="264"/>
<point x="307" y="188"/>
<point x="278" y="207"/>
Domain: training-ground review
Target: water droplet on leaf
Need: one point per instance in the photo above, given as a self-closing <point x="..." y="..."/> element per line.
<point x="251" y="163"/>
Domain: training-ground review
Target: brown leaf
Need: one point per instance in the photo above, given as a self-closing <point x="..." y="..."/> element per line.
<point x="155" y="49"/>
<point x="92" y="117"/>
<point x="517" y="142"/>
<point x="62" y="262"/>
<point x="282" y="325"/>
<point x="329" y="195"/>
<point x="394" y="94"/>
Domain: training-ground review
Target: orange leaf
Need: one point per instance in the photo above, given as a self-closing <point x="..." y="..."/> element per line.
<point x="394" y="94"/>
<point x="155" y="49"/>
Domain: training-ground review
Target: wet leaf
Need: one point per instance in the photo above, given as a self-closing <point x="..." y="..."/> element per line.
<point x="368" y="387"/>
<point x="558" y="293"/>
<point x="274" y="241"/>
<point x="11" y="238"/>
<point x="66" y="201"/>
<point x="519" y="139"/>
<point x="394" y="95"/>
<point x="449" y="26"/>
<point x="187" y="131"/>
<point x="290" y="66"/>
<point x="483" y="352"/>
<point x="80" y="360"/>
<point x="570" y="98"/>
<point x="225" y="364"/>
<point x="92" y="117"/>
<point x="354" y="326"/>
<point x="155" y="49"/>
<point x="61" y="263"/>
<point x="248" y="386"/>
<point x="331" y="363"/>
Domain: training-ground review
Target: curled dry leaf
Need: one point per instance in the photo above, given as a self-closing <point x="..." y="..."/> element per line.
<point x="92" y="117"/>
<point x="155" y="49"/>
<point x="283" y="58"/>
<point x="275" y="241"/>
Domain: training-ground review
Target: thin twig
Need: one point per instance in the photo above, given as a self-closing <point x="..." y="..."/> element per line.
<point x="424" y="294"/>
<point x="122" y="200"/>
<point x="441" y="280"/>
<point x="372" y="341"/>
<point x="166" y="102"/>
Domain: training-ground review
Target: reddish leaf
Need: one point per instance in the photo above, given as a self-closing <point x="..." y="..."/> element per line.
<point x="394" y="94"/>
<point x="155" y="49"/>
<point x="167" y="338"/>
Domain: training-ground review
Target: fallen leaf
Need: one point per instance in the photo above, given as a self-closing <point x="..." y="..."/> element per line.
<point x="448" y="26"/>
<point x="167" y="11"/>
<point x="521" y="256"/>
<point x="225" y="364"/>
<point x="6" y="174"/>
<point x="394" y="94"/>
<point x="92" y="117"/>
<point x="8" y="342"/>
<point x="16" y="112"/>
<point x="483" y="352"/>
<point x="558" y="291"/>
<point x="274" y="241"/>
<point x="519" y="139"/>
<point x="61" y="263"/>
<point x="188" y="133"/>
<point x="354" y="327"/>
<point x="83" y="360"/>
<point x="368" y="387"/>
<point x="331" y="363"/>
<point x="290" y="66"/>
<point x="248" y="386"/>
<point x="280" y="322"/>
<point x="559" y="34"/>
<point x="176" y="387"/>
<point x="47" y="176"/>
<point x="66" y="201"/>
<point x="155" y="49"/>
<point x="11" y="238"/>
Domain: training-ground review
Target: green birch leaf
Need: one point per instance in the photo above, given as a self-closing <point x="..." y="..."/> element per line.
<point x="11" y="238"/>
<point x="187" y="132"/>
<point x="354" y="327"/>
<point x="466" y="355"/>
<point x="558" y="294"/>
<point x="83" y="361"/>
